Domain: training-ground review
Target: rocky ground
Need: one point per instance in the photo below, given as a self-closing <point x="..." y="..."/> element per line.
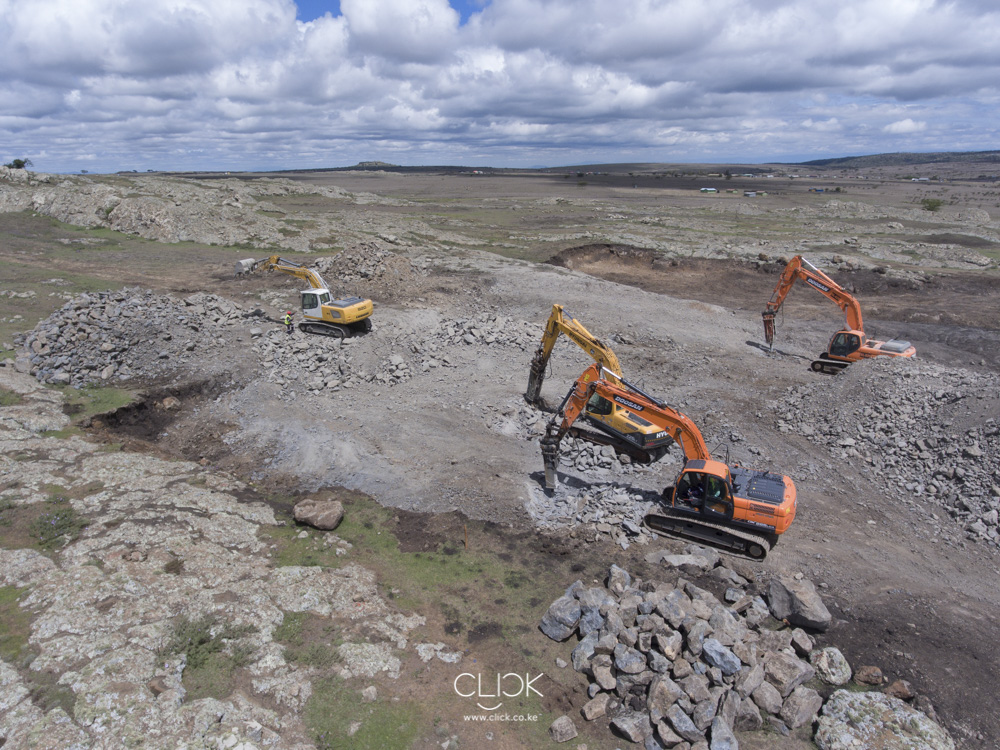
<point x="895" y="462"/>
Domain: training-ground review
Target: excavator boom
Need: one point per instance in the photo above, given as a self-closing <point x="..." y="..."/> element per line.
<point x="559" y="323"/>
<point x="799" y="268"/>
<point x="339" y="318"/>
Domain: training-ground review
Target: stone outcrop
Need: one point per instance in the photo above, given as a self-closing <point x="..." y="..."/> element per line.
<point x="849" y="720"/>
<point x="159" y="542"/>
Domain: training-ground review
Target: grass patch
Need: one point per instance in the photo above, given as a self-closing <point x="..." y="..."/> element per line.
<point x="10" y="398"/>
<point x="212" y="657"/>
<point x="309" y="640"/>
<point x="91" y="400"/>
<point x="334" y="707"/>
<point x="15" y="625"/>
<point x="56" y="527"/>
<point x="64" y="434"/>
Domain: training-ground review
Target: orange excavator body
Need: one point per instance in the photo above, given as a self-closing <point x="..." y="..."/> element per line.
<point x="847" y="345"/>
<point x="738" y="509"/>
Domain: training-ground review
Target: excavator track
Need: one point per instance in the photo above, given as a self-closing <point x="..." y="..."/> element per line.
<point x="326" y="329"/>
<point x="829" y="366"/>
<point x="716" y="534"/>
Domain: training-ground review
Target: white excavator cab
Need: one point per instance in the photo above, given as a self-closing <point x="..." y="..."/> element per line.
<point x="313" y="301"/>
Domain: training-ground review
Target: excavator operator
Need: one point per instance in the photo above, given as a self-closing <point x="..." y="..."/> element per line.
<point x="691" y="488"/>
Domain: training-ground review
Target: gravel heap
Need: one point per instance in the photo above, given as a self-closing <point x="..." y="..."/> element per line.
<point x="670" y="665"/>
<point x="108" y="336"/>
<point x="491" y="330"/>
<point x="595" y="512"/>
<point x="924" y="432"/>
<point x="132" y="333"/>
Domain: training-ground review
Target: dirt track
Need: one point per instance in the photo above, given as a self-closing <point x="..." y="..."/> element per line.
<point x="689" y="330"/>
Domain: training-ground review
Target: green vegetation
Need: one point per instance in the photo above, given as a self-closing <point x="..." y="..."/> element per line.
<point x="14" y="625"/>
<point x="57" y="528"/>
<point x="91" y="400"/>
<point x="212" y="659"/>
<point x="10" y="398"/>
<point x="334" y="706"/>
<point x="931" y="204"/>
<point x="19" y="164"/>
<point x="309" y="639"/>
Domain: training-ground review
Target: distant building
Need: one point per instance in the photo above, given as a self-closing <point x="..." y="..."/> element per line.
<point x="709" y="190"/>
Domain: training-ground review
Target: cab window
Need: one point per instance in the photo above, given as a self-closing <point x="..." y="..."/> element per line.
<point x="853" y="343"/>
<point x="599" y="405"/>
<point x="717" y="499"/>
<point x="324" y="298"/>
<point x="309" y="301"/>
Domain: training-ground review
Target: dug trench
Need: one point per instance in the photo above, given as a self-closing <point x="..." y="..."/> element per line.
<point x="952" y="316"/>
<point x="483" y="587"/>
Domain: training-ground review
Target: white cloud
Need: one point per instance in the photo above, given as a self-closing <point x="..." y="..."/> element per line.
<point x="901" y="127"/>
<point x="523" y="81"/>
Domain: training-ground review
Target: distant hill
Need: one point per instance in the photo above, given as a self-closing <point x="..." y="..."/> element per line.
<point x="904" y="159"/>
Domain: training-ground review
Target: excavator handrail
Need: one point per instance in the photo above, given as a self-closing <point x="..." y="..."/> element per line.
<point x="800" y="268"/>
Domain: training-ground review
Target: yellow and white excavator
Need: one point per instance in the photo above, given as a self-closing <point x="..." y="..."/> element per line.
<point x="625" y="431"/>
<point x="321" y="313"/>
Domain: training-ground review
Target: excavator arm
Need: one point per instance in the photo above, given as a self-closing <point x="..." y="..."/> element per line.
<point x="277" y="263"/>
<point x="560" y="323"/>
<point x="799" y="268"/>
<point x="678" y="426"/>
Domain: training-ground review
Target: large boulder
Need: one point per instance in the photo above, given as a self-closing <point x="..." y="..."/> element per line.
<point x="852" y="720"/>
<point x="798" y="602"/>
<point x="320" y="514"/>
<point x="562" y="729"/>
<point x="831" y="666"/>
<point x="786" y="672"/>
<point x="801" y="707"/>
<point x="561" y="619"/>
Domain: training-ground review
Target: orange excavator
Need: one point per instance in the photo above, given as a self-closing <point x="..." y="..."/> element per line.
<point x="739" y="510"/>
<point x="846" y="346"/>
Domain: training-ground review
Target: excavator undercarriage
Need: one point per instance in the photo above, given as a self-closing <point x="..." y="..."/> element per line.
<point x="677" y="523"/>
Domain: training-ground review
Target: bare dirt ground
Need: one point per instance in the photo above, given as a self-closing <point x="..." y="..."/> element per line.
<point x="673" y="279"/>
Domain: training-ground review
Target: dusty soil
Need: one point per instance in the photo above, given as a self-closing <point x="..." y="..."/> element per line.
<point x="688" y="328"/>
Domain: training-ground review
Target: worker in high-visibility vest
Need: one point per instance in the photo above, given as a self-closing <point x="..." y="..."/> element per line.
<point x="288" y="322"/>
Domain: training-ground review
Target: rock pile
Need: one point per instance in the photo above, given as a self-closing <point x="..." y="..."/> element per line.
<point x="118" y="335"/>
<point x="490" y="330"/>
<point x="365" y="262"/>
<point x="671" y="666"/>
<point x="599" y="511"/>
<point x="924" y="432"/>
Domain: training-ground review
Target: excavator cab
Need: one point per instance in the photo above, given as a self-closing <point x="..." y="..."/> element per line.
<point x="313" y="301"/>
<point x="699" y="490"/>
<point x="844" y="344"/>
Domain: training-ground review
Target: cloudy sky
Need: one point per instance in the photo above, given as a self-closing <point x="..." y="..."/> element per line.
<point x="107" y="85"/>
